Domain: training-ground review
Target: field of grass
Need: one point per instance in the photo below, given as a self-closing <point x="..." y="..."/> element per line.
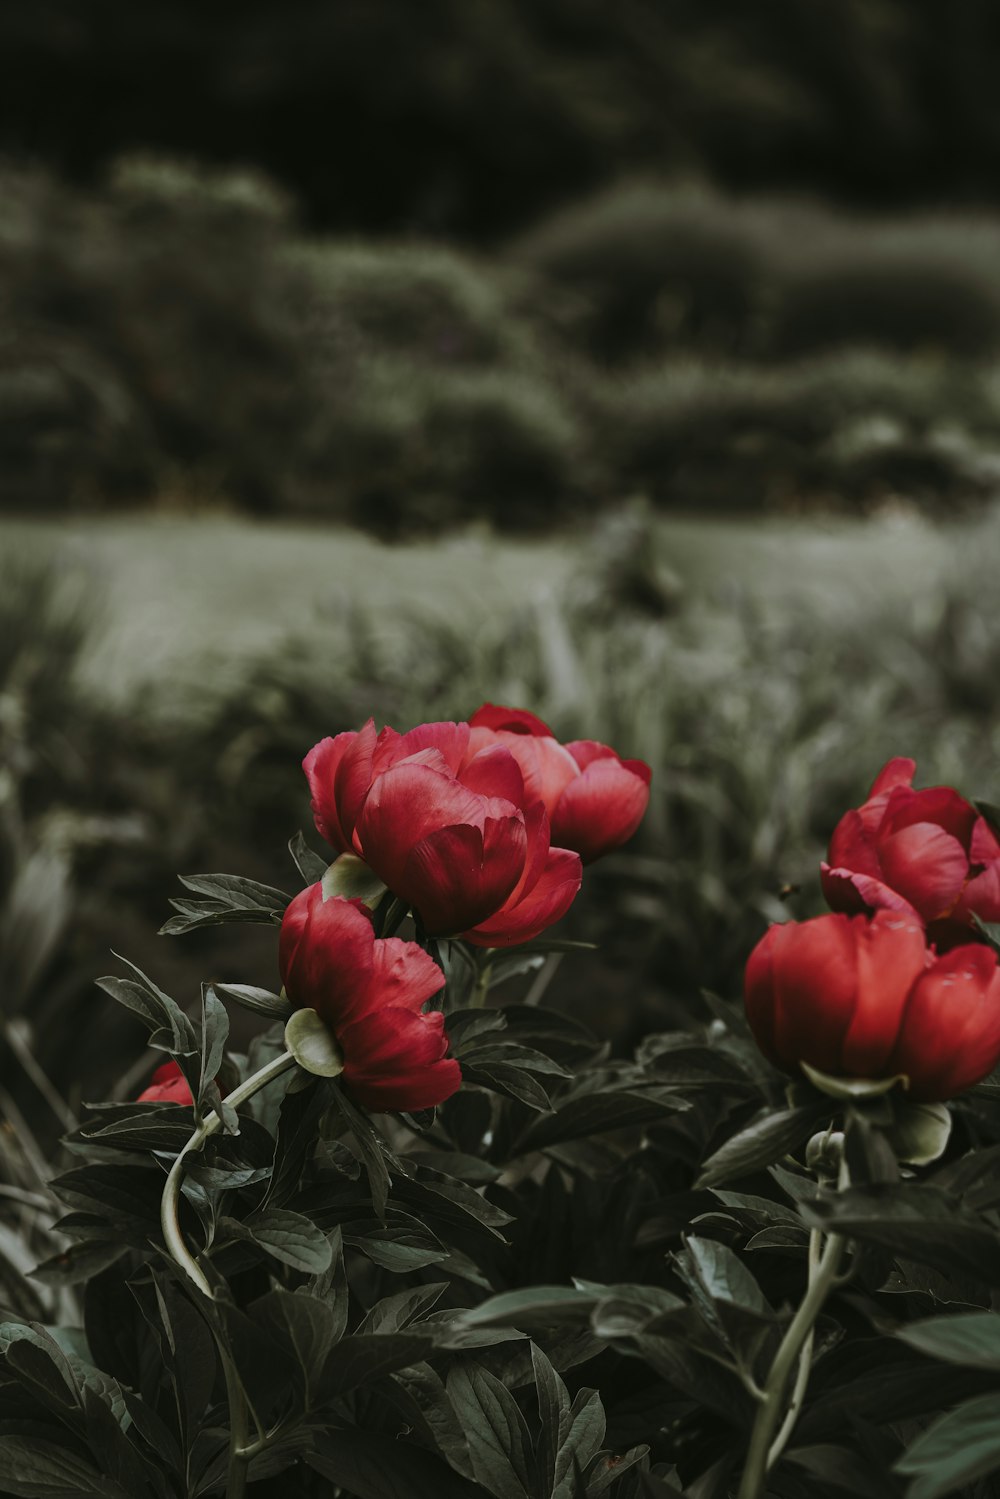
<point x="169" y="591"/>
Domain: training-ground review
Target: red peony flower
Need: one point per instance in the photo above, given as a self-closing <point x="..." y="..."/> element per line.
<point x="595" y="800"/>
<point x="370" y="993"/>
<point x="860" y="998"/>
<point x="450" y="827"/>
<point x="167" y="1085"/>
<point x="927" y="853"/>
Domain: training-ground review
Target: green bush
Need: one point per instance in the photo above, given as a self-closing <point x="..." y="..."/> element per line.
<point x="647" y="266"/>
<point x="846" y="428"/>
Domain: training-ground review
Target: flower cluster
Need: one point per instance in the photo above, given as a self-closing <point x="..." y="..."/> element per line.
<point x="480" y="827"/>
<point x="895" y="983"/>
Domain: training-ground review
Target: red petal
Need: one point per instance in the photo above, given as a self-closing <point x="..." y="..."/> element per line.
<point x="321" y="765"/>
<point x="325" y="955"/>
<point x="451" y="739"/>
<point x="355" y="774"/>
<point x="983" y="845"/>
<point x="493" y="771"/>
<point x="394" y="1059"/>
<point x="403" y="975"/>
<point x="891" y="956"/>
<point x="926" y="865"/>
<point x="937" y="804"/>
<point x="168" y="1085"/>
<point x="853" y="846"/>
<point x="981" y="897"/>
<point x="758" y="995"/>
<point x="600" y="809"/>
<point x="897" y="772"/>
<point x="458" y="876"/>
<point x="950" y="1035"/>
<point x="545" y="903"/>
<point x="547" y="768"/>
<point x="856" y="893"/>
<point x="815" y="986"/>
<point x="406" y="804"/>
<point x="511" y="720"/>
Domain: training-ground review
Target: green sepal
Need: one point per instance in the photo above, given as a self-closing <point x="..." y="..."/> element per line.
<point x="920" y="1133"/>
<point x="853" y="1087"/>
<point x="351" y="879"/>
<point x="312" y="1044"/>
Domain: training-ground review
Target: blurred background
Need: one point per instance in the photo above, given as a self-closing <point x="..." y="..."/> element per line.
<point x="637" y="364"/>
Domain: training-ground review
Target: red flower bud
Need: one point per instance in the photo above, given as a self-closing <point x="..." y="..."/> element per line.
<point x="860" y="998"/>
<point x="370" y="992"/>
<point x="926" y="853"/>
<point x="167" y="1085"/>
<point x="449" y="825"/>
<point x="595" y="800"/>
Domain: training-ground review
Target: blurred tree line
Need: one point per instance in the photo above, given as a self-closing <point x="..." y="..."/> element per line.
<point x="472" y="117"/>
<point x="172" y="333"/>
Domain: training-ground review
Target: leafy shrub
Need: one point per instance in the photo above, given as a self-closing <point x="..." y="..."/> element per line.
<point x="849" y="427"/>
<point x="646" y="267"/>
<point x="904" y="298"/>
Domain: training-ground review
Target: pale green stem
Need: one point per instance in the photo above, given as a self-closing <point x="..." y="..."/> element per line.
<point x="482" y="989"/>
<point x="767" y="1442"/>
<point x="543" y="978"/>
<point x="174" y="1239"/>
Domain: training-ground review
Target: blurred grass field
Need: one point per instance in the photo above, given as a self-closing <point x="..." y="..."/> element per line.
<point x="168" y="591"/>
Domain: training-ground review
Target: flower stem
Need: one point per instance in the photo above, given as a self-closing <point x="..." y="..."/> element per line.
<point x="174" y="1239"/>
<point x="482" y="989"/>
<point x="767" y="1439"/>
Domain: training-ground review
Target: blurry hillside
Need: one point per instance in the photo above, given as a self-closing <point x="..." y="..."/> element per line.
<point x="173" y="334"/>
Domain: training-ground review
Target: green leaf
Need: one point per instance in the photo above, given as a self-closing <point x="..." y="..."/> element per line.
<point x="921" y="1222"/>
<point x="214" y="1034"/>
<point x="583" y="1441"/>
<point x="764" y="1141"/>
<point x="304" y="1326"/>
<point x="230" y="898"/>
<point x="160" y="1013"/>
<point x="956" y="1449"/>
<point x="724" y="1277"/>
<point x="313" y="1044"/>
<point x="971" y="1339"/>
<point x="553" y="1417"/>
<point x="393" y="1313"/>
<point x="309" y="864"/>
<point x="496" y="1431"/>
<point x="260" y="1001"/>
<point x="34" y="1469"/>
<point x="364" y="1464"/>
<point x="534" y="1306"/>
<point x="369" y="1148"/>
<point x="358" y="1359"/>
<point x="351" y="878"/>
<point x="594" y="1113"/>
<point x="501" y="1077"/>
<point x="289" y="1237"/>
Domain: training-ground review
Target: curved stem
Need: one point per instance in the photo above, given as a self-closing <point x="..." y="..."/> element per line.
<point x="210" y="1125"/>
<point x="239" y="1450"/>
<point x="767" y="1442"/>
<point x="780" y="1442"/>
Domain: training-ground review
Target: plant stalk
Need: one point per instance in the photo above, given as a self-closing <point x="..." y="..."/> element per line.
<point x="767" y="1439"/>
<point x="239" y="1450"/>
